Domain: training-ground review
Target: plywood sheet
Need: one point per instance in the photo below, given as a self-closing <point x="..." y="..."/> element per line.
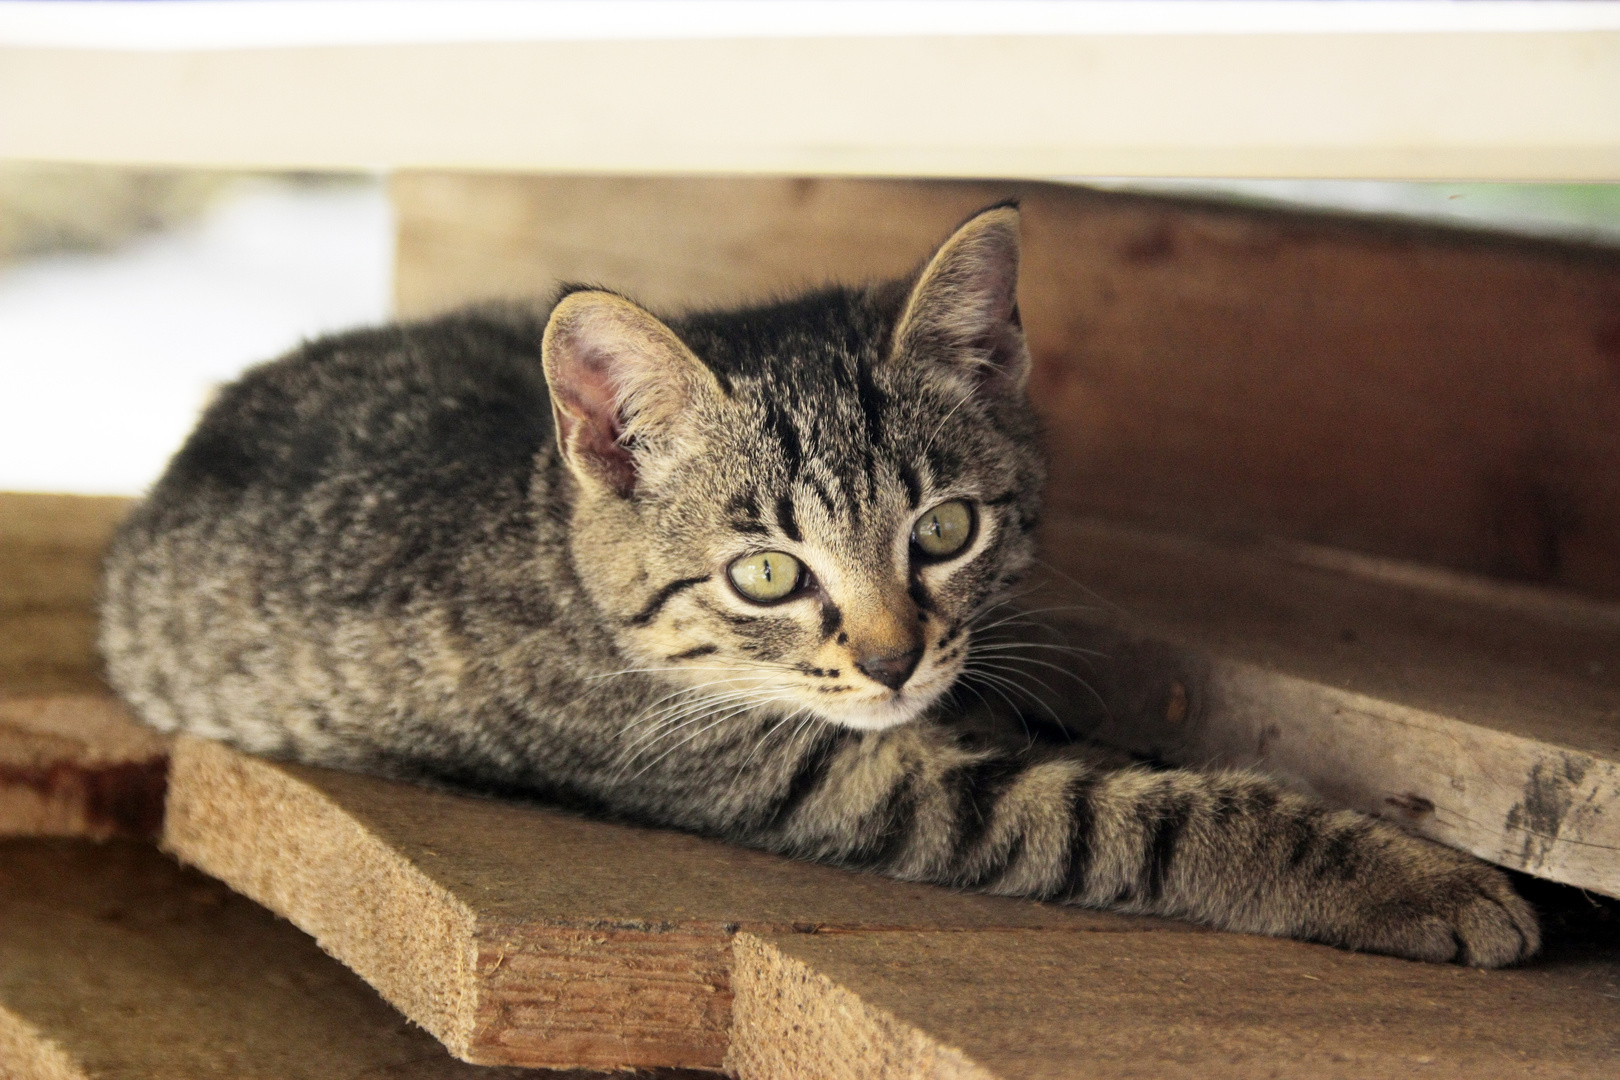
<point x="117" y="964"/>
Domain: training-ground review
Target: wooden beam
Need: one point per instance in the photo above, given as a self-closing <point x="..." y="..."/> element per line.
<point x="1419" y="393"/>
<point x="116" y="962"/>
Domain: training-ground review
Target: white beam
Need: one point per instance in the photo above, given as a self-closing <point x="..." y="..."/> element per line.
<point x="1471" y="102"/>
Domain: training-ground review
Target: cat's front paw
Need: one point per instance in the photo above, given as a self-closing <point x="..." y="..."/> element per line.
<point x="1430" y="903"/>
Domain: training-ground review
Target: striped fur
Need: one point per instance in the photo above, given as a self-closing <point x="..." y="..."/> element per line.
<point x="404" y="551"/>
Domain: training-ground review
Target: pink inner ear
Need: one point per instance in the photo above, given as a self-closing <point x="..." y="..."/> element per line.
<point x="589" y="420"/>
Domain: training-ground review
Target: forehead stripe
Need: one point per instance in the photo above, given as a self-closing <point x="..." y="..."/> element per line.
<point x="785" y="519"/>
<point x="782" y="427"/>
<point x="908" y="476"/>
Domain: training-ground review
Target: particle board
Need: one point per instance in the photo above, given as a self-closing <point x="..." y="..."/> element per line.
<point x="520" y="934"/>
<point x="118" y="964"/>
<point x="1420" y="393"/>
<point x="1003" y="1004"/>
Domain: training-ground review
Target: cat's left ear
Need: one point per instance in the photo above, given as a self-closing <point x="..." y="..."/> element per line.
<point x="620" y="382"/>
<point x="964" y="307"/>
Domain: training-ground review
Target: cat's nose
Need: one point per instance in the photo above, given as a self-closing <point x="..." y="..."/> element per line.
<point x="890" y="669"/>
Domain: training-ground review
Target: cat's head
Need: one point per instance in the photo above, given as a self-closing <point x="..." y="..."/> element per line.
<point x="805" y="505"/>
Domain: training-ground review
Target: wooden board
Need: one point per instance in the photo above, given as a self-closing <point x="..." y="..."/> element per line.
<point x="1425" y="394"/>
<point x="72" y="760"/>
<point x="1482" y="715"/>
<point x="79" y="765"/>
<point x="117" y="964"/>
<point x="50" y="566"/>
<point x="892" y="94"/>
<point x="1004" y="1004"/>
<point x="524" y="935"/>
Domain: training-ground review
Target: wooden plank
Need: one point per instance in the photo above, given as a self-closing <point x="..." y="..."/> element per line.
<point x="1412" y="392"/>
<point x="117" y="964"/>
<point x="997" y="1004"/>
<point x="918" y="102"/>
<point x="72" y="760"/>
<point x="50" y="563"/>
<point x="1481" y="715"/>
<point x="520" y="934"/>
<point x="79" y="765"/>
<point x="523" y="935"/>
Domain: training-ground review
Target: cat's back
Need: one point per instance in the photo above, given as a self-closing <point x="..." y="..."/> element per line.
<point x="422" y="409"/>
<point x="344" y="482"/>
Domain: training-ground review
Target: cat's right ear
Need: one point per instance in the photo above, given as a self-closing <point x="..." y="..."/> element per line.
<point x="619" y="381"/>
<point x="963" y="310"/>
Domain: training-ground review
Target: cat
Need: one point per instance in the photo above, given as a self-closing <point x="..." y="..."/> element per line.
<point x="719" y="572"/>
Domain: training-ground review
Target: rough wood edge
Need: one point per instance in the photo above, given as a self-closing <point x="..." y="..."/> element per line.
<point x="79" y="765"/>
<point x="285" y="846"/>
<point x="790" y="1022"/>
<point x="28" y="1054"/>
<point x="495" y="993"/>
<point x="607" y="998"/>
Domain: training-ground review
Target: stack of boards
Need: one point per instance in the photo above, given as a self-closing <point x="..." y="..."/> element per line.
<point x="174" y="909"/>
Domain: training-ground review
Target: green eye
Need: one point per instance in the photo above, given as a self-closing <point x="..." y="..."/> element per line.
<point x="767" y="576"/>
<point x="944" y="530"/>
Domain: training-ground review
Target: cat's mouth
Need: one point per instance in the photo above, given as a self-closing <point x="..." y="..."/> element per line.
<point x="901" y="706"/>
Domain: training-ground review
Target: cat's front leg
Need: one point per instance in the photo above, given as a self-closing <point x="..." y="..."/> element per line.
<point x="1231" y="850"/>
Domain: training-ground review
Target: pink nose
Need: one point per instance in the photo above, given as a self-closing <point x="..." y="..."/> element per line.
<point x="890" y="669"/>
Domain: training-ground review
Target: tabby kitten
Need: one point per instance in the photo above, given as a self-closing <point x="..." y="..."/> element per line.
<point x="717" y="572"/>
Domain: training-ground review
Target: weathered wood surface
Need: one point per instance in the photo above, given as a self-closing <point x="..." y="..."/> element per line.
<point x="1485" y="716"/>
<point x="1106" y="1006"/>
<point x="50" y="566"/>
<point x="79" y="765"/>
<point x="524" y="935"/>
<point x="72" y="761"/>
<point x="1414" y="392"/>
<point x="117" y="964"/>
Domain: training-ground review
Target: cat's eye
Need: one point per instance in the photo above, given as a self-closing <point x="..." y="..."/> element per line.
<point x="943" y="530"/>
<point x="767" y="576"/>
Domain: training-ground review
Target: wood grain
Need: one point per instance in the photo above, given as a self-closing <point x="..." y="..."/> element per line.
<point x="1478" y="714"/>
<point x="118" y="964"/>
<point x="997" y="1004"/>
<point x="1427" y="394"/>
<point x="50" y="565"/>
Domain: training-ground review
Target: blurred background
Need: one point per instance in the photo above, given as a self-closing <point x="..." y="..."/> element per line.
<point x="127" y="296"/>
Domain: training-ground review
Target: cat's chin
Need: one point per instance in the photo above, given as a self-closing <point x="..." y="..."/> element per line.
<point x="880" y="716"/>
